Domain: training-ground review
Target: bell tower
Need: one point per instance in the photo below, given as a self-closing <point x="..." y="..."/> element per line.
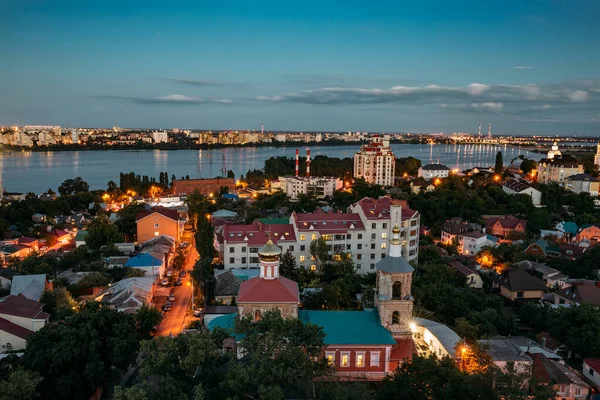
<point x="393" y="297"/>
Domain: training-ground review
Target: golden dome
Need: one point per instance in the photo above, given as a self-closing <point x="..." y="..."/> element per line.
<point x="269" y="252"/>
<point x="395" y="229"/>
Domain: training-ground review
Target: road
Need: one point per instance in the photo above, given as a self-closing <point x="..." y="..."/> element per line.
<point x="174" y="321"/>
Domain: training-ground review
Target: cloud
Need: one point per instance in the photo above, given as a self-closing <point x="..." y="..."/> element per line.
<point x="175" y="99"/>
<point x="195" y="82"/>
<point x="479" y="97"/>
<point x="523" y="67"/>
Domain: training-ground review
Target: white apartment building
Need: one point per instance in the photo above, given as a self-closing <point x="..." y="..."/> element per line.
<point x="432" y="171"/>
<point x="363" y="232"/>
<point x="521" y="186"/>
<point x="597" y="156"/>
<point x="375" y="162"/>
<point x="160" y="137"/>
<point x="320" y="187"/>
<point x="558" y="169"/>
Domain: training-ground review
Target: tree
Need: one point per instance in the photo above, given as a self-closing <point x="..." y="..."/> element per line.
<point x="36" y="263"/>
<point x="578" y="328"/>
<point x="319" y="250"/>
<point x="20" y="384"/>
<point x="528" y="165"/>
<point x="59" y="303"/>
<point x="102" y="233"/>
<point x="344" y="391"/>
<point x="127" y="219"/>
<point x="499" y="167"/>
<point x="146" y="318"/>
<point x="83" y="352"/>
<point x="288" y="267"/>
<point x="72" y="186"/>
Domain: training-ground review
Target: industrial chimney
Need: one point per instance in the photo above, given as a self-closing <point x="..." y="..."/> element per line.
<point x="297" y="162"/>
<point x="307" y="162"/>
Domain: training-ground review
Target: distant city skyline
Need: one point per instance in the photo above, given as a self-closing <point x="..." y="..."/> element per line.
<point x="525" y="67"/>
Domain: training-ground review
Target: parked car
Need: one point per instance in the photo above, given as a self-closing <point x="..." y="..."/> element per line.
<point x="182" y="273"/>
<point x="198" y="312"/>
<point x="184" y="244"/>
<point x="165" y="282"/>
<point x="169" y="273"/>
<point x="171" y="297"/>
<point x="168" y="306"/>
<point x="178" y="282"/>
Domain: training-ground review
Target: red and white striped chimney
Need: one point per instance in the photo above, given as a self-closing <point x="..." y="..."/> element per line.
<point x="307" y="162"/>
<point x="297" y="162"/>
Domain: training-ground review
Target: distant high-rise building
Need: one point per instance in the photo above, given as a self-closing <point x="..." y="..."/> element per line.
<point x="597" y="156"/>
<point x="376" y="162"/>
<point x="160" y="137"/>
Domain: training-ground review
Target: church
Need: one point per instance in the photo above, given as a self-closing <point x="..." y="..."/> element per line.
<point x="368" y="343"/>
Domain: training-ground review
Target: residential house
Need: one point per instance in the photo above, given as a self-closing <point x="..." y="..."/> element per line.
<point x="15" y="251"/>
<point x="116" y="261"/>
<point x="518" y="285"/>
<point x="579" y="292"/>
<point x="567" y="229"/>
<point x="151" y="265"/>
<point x="30" y="286"/>
<point x="416" y="186"/>
<point x="571" y="251"/>
<point x="549" y="276"/>
<point x="61" y="236"/>
<point x="39" y="218"/>
<point x="591" y="370"/>
<point x="472" y="278"/>
<point x="128" y="295"/>
<point x="502" y="226"/>
<point x="80" y="238"/>
<point x="125" y="248"/>
<point x="30" y="242"/>
<point x="227" y="283"/>
<point x="432" y="171"/>
<point x="583" y="183"/>
<point x="567" y="383"/>
<point x="157" y="222"/>
<point x="504" y="350"/>
<point x="74" y="277"/>
<point x="588" y="234"/>
<point x="224" y="214"/>
<point x="467" y="236"/>
<point x="521" y="186"/>
<point x="19" y="318"/>
<point x="542" y="248"/>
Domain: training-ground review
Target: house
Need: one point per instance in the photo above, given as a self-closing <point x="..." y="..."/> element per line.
<point x="577" y="293"/>
<point x="518" y="285"/>
<point x="125" y="248"/>
<point x="567" y="383"/>
<point x="591" y="370"/>
<point x="39" y="218"/>
<point x="15" y="251"/>
<point x="4" y="283"/>
<point x="432" y="171"/>
<point x="521" y="186"/>
<point x="227" y="283"/>
<point x="542" y="249"/>
<point x="468" y="236"/>
<point x="549" y="276"/>
<point x="568" y="229"/>
<point x="157" y="222"/>
<point x="80" y="238"/>
<point x="504" y="350"/>
<point x="571" y="251"/>
<point x="128" y="295"/>
<point x="116" y="261"/>
<point x="417" y="185"/>
<point x="224" y="214"/>
<point x="61" y="236"/>
<point x="502" y="226"/>
<point x="19" y="318"/>
<point x="583" y="183"/>
<point x="205" y="187"/>
<point x="151" y="265"/>
<point x="30" y="242"/>
<point x="588" y="234"/>
<point x="550" y="342"/>
<point x="30" y="286"/>
<point x="472" y="278"/>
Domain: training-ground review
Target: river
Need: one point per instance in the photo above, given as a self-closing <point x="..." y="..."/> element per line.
<point x="31" y="171"/>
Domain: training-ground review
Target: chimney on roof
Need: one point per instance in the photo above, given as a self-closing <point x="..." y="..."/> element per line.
<point x="307" y="162"/>
<point x="297" y="162"/>
<point x="544" y="342"/>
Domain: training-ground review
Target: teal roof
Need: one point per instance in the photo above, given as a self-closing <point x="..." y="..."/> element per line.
<point x="274" y="221"/>
<point x="226" y="321"/>
<point x="394" y="265"/>
<point x="570" y="227"/>
<point x="81" y="235"/>
<point x="349" y="327"/>
<point x="547" y="246"/>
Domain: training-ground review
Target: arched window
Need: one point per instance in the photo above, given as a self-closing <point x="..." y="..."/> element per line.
<point x="395" y="318"/>
<point x="257" y="316"/>
<point x="397" y="290"/>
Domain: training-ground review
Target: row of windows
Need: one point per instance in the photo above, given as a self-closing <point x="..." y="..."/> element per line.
<point x="359" y="358"/>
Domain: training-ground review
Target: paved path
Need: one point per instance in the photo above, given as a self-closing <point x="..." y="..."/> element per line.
<point x="174" y="320"/>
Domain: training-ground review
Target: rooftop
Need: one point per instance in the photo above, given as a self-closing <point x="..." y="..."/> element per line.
<point x="435" y="167"/>
<point x="260" y="290"/>
<point x="518" y="280"/>
<point x="167" y="212"/>
<point x="20" y="306"/>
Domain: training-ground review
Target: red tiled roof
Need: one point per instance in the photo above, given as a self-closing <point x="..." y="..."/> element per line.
<point x="594" y="363"/>
<point x="260" y="290"/>
<point x="27" y="240"/>
<point x="14" y="329"/>
<point x="258" y="233"/>
<point x="507" y="222"/>
<point x="167" y="212"/>
<point x="323" y="222"/>
<point x="59" y="233"/>
<point x="585" y="292"/>
<point x="20" y="306"/>
<point x="551" y="342"/>
<point x="380" y="208"/>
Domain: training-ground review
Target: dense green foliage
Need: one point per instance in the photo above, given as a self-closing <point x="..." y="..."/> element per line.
<point x="72" y="186"/>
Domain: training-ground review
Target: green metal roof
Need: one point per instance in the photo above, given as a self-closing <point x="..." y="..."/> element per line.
<point x="274" y="221"/>
<point x="570" y="227"/>
<point x="81" y="235"/>
<point x="349" y="327"/>
<point x="226" y="321"/>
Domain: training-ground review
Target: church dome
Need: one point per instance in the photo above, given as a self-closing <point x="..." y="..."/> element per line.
<point x="269" y="252"/>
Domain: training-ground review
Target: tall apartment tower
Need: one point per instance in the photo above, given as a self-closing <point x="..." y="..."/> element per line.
<point x="375" y="162"/>
<point x="597" y="156"/>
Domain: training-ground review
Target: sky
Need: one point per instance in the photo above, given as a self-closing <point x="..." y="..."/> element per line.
<point x="526" y="66"/>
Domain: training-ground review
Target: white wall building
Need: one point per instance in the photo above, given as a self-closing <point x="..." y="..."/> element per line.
<point x="375" y="162"/>
<point x="597" y="156"/>
<point x="431" y="171"/>
<point x="521" y="186"/>
<point x="160" y="137"/>
<point x="316" y="186"/>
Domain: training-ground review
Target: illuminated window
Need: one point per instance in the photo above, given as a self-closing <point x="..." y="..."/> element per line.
<point x="302" y="237"/>
<point x="257" y="316"/>
<point x="330" y="358"/>
<point x="345" y="360"/>
<point x="313" y="267"/>
<point x="156" y="233"/>
<point x="314" y="236"/>
<point x="302" y="258"/>
<point x="360" y="359"/>
<point x="384" y="245"/>
<point x="384" y="235"/>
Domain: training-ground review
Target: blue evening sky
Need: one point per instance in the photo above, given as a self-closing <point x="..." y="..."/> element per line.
<point x="527" y="66"/>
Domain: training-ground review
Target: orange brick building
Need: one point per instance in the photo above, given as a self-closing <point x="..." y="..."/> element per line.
<point x="502" y="226"/>
<point x="203" y="186"/>
<point x="157" y="222"/>
<point x="589" y="234"/>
